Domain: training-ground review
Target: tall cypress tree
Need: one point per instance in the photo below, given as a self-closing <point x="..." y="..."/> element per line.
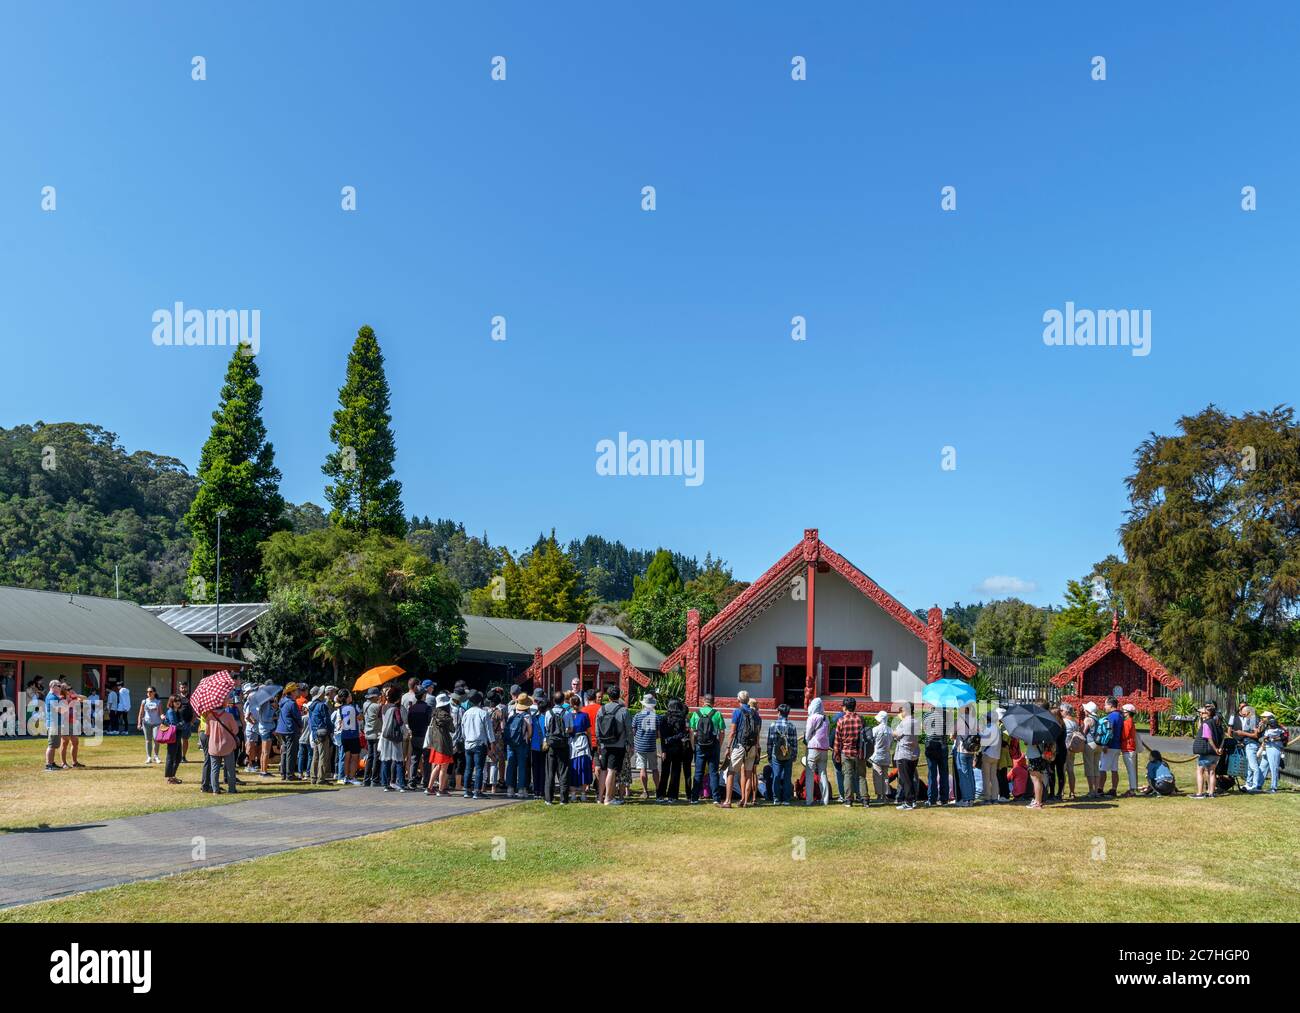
<point x="237" y="473"/>
<point x="363" y="494"/>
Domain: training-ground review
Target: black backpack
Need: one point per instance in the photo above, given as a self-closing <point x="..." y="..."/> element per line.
<point x="706" y="732"/>
<point x="609" y="727"/>
<point x="747" y="730"/>
<point x="557" y="732"/>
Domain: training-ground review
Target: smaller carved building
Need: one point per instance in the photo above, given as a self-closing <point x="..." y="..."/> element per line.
<point x="1115" y="666"/>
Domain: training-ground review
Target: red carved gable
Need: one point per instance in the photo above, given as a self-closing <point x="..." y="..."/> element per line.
<point x="777" y="581"/>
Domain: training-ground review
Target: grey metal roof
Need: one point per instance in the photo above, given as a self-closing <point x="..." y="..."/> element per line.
<point x="201" y="620"/>
<point x="489" y="637"/>
<point x="84" y="626"/>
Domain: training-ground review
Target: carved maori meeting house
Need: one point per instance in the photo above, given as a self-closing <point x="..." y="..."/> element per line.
<point x="815" y="625"/>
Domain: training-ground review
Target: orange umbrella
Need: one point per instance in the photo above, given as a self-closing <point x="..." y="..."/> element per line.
<point x="378" y="676"/>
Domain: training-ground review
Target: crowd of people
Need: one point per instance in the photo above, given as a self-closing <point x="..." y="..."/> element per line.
<point x="578" y="745"/>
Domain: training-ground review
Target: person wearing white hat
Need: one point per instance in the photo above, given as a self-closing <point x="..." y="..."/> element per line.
<point x="1128" y="747"/>
<point x="1273" y="737"/>
<point x="1091" y="751"/>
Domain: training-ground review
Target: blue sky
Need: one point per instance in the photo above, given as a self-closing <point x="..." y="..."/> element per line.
<point x="775" y="198"/>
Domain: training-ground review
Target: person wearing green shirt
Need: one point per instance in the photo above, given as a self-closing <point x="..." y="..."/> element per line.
<point x="707" y="727"/>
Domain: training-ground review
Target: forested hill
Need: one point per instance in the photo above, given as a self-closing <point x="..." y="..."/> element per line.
<point x="74" y="503"/>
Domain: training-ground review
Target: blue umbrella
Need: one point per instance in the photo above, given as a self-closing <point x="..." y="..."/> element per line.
<point x="261" y="695"/>
<point x="948" y="693"/>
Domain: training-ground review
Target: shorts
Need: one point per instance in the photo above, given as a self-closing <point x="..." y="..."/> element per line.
<point x="1109" y="761"/>
<point x="742" y="758"/>
<point x="1212" y="760"/>
<point x="1039" y="765"/>
<point x="648" y="762"/>
<point x="351" y="745"/>
<point x="53" y="739"/>
<point x="265" y="733"/>
<point x="611" y="757"/>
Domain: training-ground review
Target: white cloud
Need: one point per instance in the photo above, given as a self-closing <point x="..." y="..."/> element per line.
<point x="1002" y="586"/>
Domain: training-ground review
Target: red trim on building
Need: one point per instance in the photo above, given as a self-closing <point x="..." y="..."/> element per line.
<point x="807" y="558"/>
<point x="575" y="646"/>
<point x="1145" y="698"/>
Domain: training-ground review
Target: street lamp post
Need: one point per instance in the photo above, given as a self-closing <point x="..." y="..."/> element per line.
<point x="217" y="635"/>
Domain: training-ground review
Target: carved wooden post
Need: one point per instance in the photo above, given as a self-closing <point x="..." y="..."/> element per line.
<point x="692" y="658"/>
<point x="811" y="546"/>
<point x="934" y="644"/>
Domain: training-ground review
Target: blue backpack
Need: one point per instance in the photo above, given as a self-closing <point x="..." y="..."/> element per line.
<point x="1101" y="732"/>
<point x="516" y="729"/>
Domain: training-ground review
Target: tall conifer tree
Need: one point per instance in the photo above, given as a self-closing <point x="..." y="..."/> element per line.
<point x="237" y="473"/>
<point x="363" y="495"/>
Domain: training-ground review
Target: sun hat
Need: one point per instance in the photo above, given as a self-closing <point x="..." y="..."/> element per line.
<point x="1090" y="707"/>
<point x="316" y="691"/>
<point x="372" y="693"/>
<point x="443" y="700"/>
<point x="1129" y="707"/>
<point x="1266" y="714"/>
<point x="523" y="701"/>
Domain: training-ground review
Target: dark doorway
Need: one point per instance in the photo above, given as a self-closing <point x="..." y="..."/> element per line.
<point x="793" y="679"/>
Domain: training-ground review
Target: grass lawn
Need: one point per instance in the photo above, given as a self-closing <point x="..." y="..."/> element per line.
<point x="116" y="782"/>
<point x="1231" y="859"/>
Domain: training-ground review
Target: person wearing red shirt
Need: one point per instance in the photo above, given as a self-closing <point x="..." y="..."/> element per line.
<point x="1128" y="746"/>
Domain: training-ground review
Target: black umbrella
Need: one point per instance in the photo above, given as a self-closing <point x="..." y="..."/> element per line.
<point x="1028" y="723"/>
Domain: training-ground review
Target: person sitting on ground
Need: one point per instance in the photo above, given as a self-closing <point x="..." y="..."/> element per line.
<point x="1160" y="779"/>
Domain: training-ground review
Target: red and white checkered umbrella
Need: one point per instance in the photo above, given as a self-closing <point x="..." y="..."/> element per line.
<point x="212" y="693"/>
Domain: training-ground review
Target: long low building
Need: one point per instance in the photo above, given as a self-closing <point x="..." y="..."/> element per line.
<point x="497" y="652"/>
<point x="90" y="643"/>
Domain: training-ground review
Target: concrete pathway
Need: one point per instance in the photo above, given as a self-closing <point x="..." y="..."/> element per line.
<point x="54" y="862"/>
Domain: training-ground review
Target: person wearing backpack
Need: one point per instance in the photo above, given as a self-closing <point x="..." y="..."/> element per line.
<point x="613" y="733"/>
<point x="674" y="739"/>
<point x="223" y="743"/>
<point x="438" y="741"/>
<point x="1109" y="734"/>
<point x="519" y="737"/>
<point x="1207" y="745"/>
<point x="742" y="749"/>
<point x="782" y="745"/>
<point x="555" y="744"/>
<point x="1091" y="750"/>
<point x="707" y="729"/>
<point x="392" y="737"/>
